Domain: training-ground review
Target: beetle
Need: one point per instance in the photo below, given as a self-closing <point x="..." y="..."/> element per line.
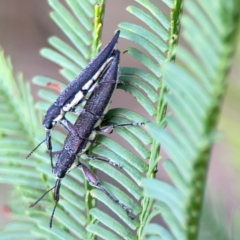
<point x="75" y="93"/>
<point x="87" y="127"/>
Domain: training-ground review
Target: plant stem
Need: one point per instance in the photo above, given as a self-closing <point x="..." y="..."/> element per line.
<point x="161" y="112"/>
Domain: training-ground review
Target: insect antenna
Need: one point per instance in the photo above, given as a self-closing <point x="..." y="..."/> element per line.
<point x="56" y="198"/>
<point x="35" y="148"/>
<point x="33" y="204"/>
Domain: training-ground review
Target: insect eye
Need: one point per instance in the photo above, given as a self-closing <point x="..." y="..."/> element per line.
<point x="61" y="175"/>
<point x="58" y="172"/>
<point x="49" y="125"/>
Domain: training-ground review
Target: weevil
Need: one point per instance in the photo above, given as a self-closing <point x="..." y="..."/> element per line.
<point x="87" y="127"/>
<point x="75" y="93"/>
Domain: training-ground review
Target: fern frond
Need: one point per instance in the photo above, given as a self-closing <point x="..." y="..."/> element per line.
<point x="196" y="87"/>
<point x="143" y="86"/>
<point x="139" y="83"/>
<point x="70" y="220"/>
<point x="193" y="89"/>
<point x="27" y="176"/>
<point x="32" y="177"/>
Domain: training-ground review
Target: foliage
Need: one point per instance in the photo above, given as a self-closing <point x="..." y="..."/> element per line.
<point x="195" y="100"/>
<point x="193" y="88"/>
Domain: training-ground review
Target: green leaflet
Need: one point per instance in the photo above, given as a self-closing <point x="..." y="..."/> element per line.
<point x="44" y="81"/>
<point x="135" y="174"/>
<point x="144" y="101"/>
<point x="82" y="48"/>
<point x="102" y="232"/>
<point x="133" y="224"/>
<point x="83" y="11"/>
<point x="32" y="177"/>
<point x="145" y="43"/>
<point x="146" y="61"/>
<point x="112" y="224"/>
<point x="155" y="229"/>
<point x="72" y="24"/>
<point x="71" y="219"/>
<point x="124" y="153"/>
<point x="196" y="85"/>
<point x="152" y="95"/>
<point x="119" y="177"/>
<point x="146" y="76"/>
<point x="68" y="51"/>
<point x="60" y="60"/>
<point x="144" y="33"/>
<point x="150" y="21"/>
<point x="156" y="12"/>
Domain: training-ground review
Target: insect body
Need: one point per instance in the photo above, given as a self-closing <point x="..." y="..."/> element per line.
<point x="75" y="92"/>
<point x="86" y="128"/>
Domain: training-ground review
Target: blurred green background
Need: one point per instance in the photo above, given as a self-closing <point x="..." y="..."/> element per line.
<point x="24" y="28"/>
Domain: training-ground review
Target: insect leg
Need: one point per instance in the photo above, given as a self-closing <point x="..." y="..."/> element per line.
<point x="68" y="126"/>
<point x="77" y="112"/>
<point x="56" y="198"/>
<point x="92" y="157"/>
<point x="93" y="180"/>
<point x="49" y="145"/>
<point x="71" y="128"/>
<point x="56" y="153"/>
<point x="109" y="129"/>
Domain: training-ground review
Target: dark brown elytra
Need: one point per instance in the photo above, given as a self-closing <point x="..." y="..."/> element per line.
<point x="75" y="93"/>
<point x="84" y="133"/>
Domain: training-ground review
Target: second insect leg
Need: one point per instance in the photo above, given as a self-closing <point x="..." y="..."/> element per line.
<point x="93" y="180"/>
